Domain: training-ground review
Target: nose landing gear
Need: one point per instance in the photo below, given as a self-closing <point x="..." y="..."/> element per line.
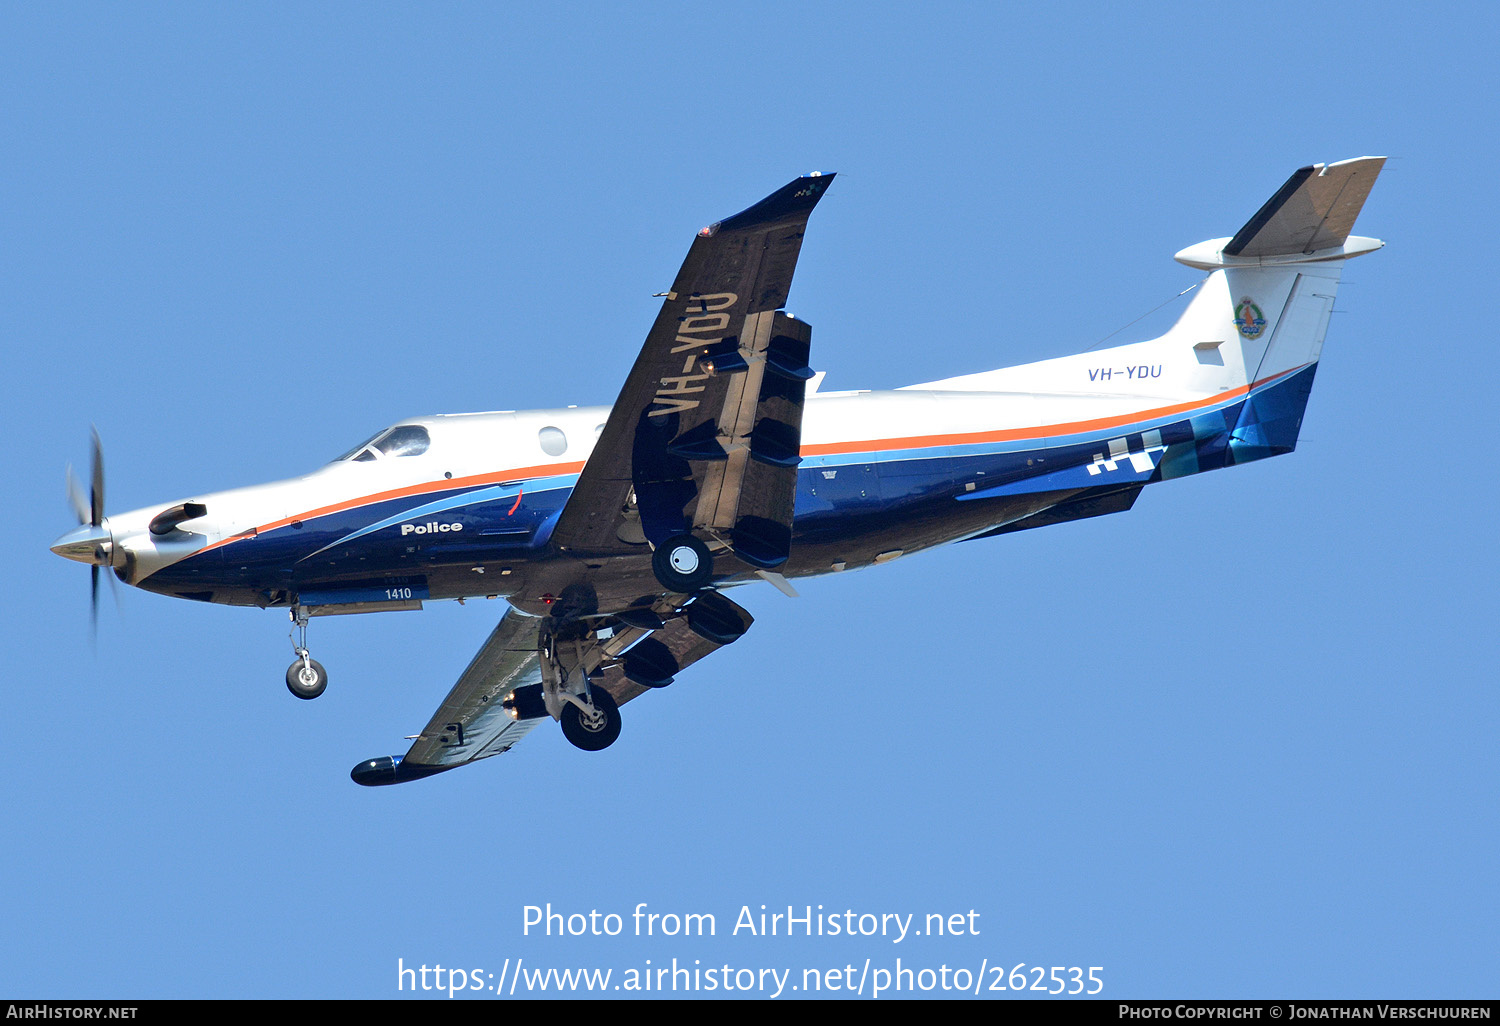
<point x="306" y="677"/>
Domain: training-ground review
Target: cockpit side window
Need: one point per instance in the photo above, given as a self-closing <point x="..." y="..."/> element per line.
<point x="405" y="440"/>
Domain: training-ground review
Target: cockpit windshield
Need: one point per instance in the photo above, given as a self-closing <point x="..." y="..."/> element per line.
<point x="357" y="448"/>
<point x="401" y="440"/>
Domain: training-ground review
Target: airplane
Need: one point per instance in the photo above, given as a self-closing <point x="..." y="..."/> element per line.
<point x="615" y="533"/>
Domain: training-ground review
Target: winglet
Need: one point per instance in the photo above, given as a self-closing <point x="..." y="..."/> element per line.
<point x="789" y="204"/>
<point x="1308" y="219"/>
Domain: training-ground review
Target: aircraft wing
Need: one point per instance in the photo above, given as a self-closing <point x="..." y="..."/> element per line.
<point x="705" y="436"/>
<point x="498" y="699"/>
<point x="706" y="433"/>
<point x="473" y="723"/>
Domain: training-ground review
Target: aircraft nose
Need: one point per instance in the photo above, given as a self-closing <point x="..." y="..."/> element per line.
<point x="87" y="543"/>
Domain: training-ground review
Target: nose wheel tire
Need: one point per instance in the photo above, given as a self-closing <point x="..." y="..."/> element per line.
<point x="592" y="732"/>
<point x="306" y="680"/>
<point x="683" y="564"/>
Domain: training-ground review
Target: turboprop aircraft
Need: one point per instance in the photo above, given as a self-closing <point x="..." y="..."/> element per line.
<point x="615" y="533"/>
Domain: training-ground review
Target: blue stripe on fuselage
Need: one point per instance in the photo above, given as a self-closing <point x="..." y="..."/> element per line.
<point x="882" y="482"/>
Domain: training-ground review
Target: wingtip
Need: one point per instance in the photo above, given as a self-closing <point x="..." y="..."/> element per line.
<point x="789" y="204"/>
<point x="391" y="769"/>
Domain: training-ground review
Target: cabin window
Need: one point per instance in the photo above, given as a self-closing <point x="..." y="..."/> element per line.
<point x="554" y="442"/>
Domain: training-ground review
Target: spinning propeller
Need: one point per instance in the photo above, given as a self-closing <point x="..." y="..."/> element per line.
<point x="90" y="542"/>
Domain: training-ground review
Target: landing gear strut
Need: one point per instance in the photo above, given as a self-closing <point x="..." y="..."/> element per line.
<point x="570" y="655"/>
<point x="306" y="677"/>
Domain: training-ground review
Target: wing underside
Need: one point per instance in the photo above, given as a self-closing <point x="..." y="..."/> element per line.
<point x="472" y="723"/>
<point x="706" y="433"/>
<point x="498" y="698"/>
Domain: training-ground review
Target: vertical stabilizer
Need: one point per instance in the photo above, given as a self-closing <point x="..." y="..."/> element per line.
<point x="1247" y="324"/>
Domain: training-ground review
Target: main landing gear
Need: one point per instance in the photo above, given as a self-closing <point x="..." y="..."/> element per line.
<point x="683" y="564"/>
<point x="591" y="726"/>
<point x="306" y="677"/>
<point x="571" y="691"/>
<point x="587" y="665"/>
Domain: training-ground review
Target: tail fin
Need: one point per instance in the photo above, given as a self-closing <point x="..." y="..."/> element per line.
<point x="1265" y="308"/>
<point x="1254" y="329"/>
<point x="1260" y="318"/>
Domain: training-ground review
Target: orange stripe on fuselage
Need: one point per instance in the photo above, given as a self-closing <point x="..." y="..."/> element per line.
<point x="1041" y="431"/>
<point x="822" y="449"/>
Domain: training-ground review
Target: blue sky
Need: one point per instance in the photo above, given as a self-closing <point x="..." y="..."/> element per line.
<point x="1238" y="742"/>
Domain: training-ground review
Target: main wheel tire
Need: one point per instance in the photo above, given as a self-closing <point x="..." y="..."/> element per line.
<point x="683" y="564"/>
<point x="306" y="681"/>
<point x="597" y="735"/>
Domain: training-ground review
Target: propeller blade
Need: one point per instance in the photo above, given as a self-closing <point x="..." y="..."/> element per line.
<point x="75" y="498"/>
<point x="96" y="493"/>
<point x="91" y="541"/>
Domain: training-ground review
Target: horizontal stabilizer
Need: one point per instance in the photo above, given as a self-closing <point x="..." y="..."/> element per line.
<point x="1309" y="218"/>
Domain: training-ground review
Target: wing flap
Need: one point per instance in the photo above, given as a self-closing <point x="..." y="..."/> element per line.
<point x="710" y="623"/>
<point x="748" y="498"/>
